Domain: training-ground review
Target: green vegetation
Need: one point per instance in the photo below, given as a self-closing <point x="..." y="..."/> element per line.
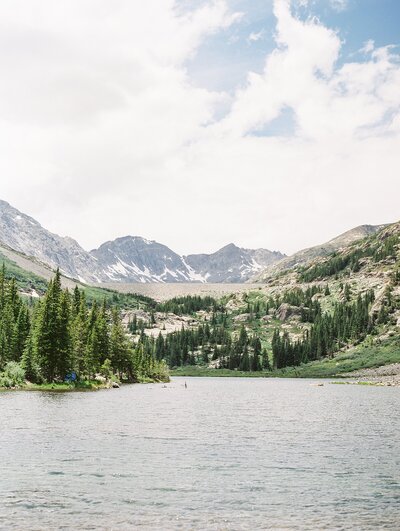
<point x="188" y="305"/>
<point x="252" y="339"/>
<point x="61" y="338"/>
<point x="24" y="280"/>
<point x="116" y="299"/>
<point x="12" y="376"/>
<point x="331" y="331"/>
<point x="201" y="371"/>
<point x="361" y="357"/>
<point x="218" y="340"/>
<point x="205" y="343"/>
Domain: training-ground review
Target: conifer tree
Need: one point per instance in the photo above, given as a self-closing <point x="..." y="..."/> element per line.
<point x="120" y="356"/>
<point x="29" y="362"/>
<point x="265" y="364"/>
<point x="245" y="360"/>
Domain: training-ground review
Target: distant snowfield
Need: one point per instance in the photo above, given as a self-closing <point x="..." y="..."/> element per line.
<point x="162" y="292"/>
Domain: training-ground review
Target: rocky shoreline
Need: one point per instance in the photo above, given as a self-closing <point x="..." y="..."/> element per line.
<point x="387" y="375"/>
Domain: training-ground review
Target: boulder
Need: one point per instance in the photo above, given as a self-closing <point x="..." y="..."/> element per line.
<point x="317" y="296"/>
<point x="243" y="317"/>
<point x="286" y="311"/>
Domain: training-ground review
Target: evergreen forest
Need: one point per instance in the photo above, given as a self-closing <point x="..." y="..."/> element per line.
<point x="61" y="337"/>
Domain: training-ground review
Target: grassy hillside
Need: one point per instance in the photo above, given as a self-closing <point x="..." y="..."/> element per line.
<point x="31" y="283"/>
<point x="26" y="280"/>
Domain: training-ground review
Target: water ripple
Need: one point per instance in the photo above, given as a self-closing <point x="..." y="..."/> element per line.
<point x="224" y="454"/>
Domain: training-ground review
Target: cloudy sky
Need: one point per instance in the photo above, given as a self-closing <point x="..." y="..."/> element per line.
<point x="201" y="122"/>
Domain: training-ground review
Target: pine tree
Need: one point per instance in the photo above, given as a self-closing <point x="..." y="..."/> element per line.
<point x="120" y="355"/>
<point x="80" y="338"/>
<point x="46" y="334"/>
<point x="29" y="362"/>
<point x="22" y="329"/>
<point x="255" y="361"/>
<point x="265" y="360"/>
<point x="65" y="362"/>
<point x="76" y="303"/>
<point x="245" y="360"/>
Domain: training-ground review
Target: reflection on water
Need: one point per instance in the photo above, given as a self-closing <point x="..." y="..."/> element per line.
<point x="224" y="453"/>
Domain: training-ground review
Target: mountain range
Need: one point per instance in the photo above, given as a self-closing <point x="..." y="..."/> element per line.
<point x="133" y="259"/>
<point x="128" y="259"/>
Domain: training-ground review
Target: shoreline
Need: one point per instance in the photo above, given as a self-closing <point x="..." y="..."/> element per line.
<point x="385" y="375"/>
<point x="84" y="387"/>
<point x="57" y="388"/>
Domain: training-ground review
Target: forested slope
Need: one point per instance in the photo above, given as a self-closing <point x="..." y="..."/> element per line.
<point x="345" y="306"/>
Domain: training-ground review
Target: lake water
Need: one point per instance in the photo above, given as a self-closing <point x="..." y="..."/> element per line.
<point x="225" y="453"/>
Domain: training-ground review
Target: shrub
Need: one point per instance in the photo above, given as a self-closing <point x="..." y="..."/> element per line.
<point x="12" y="376"/>
<point x="106" y="370"/>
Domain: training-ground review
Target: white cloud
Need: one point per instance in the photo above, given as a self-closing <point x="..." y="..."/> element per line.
<point x="368" y="47"/>
<point x="95" y="96"/>
<point x="255" y="36"/>
<point x="104" y="134"/>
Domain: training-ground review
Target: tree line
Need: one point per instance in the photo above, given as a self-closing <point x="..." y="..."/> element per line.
<point x="206" y="344"/>
<point x="349" y="321"/>
<point x="304" y="299"/>
<point x="61" y="334"/>
<point x="188" y="305"/>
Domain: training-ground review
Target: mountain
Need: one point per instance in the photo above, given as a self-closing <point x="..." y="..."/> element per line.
<point x="24" y="234"/>
<point x="232" y="263"/>
<point x="305" y="256"/>
<point x="32" y="274"/>
<point x="135" y="259"/>
<point x="128" y="259"/>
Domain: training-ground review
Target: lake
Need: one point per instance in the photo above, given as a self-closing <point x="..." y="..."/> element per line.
<point x="225" y="453"/>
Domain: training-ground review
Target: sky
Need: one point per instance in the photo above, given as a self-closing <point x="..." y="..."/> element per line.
<point x="196" y="123"/>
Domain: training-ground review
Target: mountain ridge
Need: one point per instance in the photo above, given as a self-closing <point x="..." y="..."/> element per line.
<point x="127" y="258"/>
<point x="134" y="259"/>
<point x="217" y="267"/>
<point x="305" y="256"/>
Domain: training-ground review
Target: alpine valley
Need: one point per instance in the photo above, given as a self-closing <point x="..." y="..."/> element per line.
<point x="326" y="311"/>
